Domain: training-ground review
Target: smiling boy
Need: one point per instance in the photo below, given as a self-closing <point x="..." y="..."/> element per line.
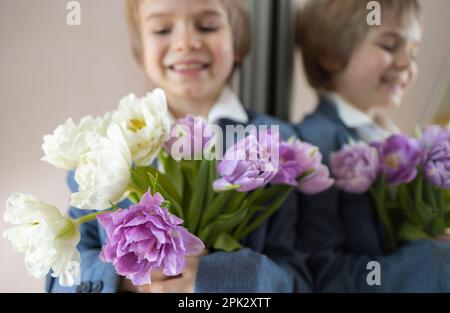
<point x="357" y="70"/>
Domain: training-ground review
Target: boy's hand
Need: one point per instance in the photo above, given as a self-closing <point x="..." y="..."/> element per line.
<point x="445" y="237"/>
<point x="183" y="283"/>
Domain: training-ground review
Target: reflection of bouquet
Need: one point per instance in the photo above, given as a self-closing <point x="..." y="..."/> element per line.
<point x="409" y="179"/>
<point x="195" y="198"/>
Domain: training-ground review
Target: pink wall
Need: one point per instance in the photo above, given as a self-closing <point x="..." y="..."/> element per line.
<point x="51" y="71"/>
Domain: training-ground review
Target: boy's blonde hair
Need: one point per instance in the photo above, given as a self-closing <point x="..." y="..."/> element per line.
<point x="332" y="29"/>
<point x="238" y="15"/>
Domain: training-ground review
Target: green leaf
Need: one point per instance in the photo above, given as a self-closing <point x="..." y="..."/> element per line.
<point x="133" y="197"/>
<point x="225" y="242"/>
<point x="258" y="202"/>
<point x="256" y="195"/>
<point x="139" y="182"/>
<point x="445" y="198"/>
<point x="407" y="205"/>
<point x="437" y="226"/>
<point x="250" y="214"/>
<point x="154" y="183"/>
<point x="197" y="202"/>
<point x="224" y="223"/>
<point x="409" y="232"/>
<point x="430" y="196"/>
<point x="174" y="205"/>
<point x="172" y="170"/>
<point x="440" y="195"/>
<point x="235" y="201"/>
<point x="212" y="175"/>
<point x="211" y="211"/>
<point x="380" y="196"/>
<point x="164" y="181"/>
<point x="187" y="190"/>
<point x="263" y="195"/>
<point x="266" y="213"/>
<point x="422" y="209"/>
<point x="189" y="169"/>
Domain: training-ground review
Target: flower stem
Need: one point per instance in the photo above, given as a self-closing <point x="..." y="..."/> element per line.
<point x="90" y="217"/>
<point x="271" y="209"/>
<point x="379" y="196"/>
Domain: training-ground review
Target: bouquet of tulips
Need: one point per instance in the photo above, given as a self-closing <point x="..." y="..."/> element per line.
<point x="187" y="195"/>
<point x="409" y="179"/>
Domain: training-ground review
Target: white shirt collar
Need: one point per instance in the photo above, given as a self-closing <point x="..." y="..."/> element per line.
<point x="352" y="117"/>
<point x="227" y="106"/>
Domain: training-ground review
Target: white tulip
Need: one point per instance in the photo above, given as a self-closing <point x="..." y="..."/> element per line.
<point x="46" y="238"/>
<point x="68" y="142"/>
<point x="104" y="173"/>
<point x="145" y="124"/>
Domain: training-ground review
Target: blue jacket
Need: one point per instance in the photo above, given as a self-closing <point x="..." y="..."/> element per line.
<point x="342" y="233"/>
<point x="269" y="263"/>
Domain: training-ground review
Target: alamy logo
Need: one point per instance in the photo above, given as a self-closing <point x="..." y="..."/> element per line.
<point x="373" y="278"/>
<point x="209" y="141"/>
<point x="73" y="17"/>
<point x="374" y="16"/>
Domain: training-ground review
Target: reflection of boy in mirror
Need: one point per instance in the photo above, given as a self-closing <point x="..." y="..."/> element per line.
<point x="357" y="69"/>
<point x="363" y="67"/>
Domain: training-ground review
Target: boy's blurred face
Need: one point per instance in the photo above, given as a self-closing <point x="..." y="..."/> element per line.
<point x="188" y="47"/>
<point x="383" y="66"/>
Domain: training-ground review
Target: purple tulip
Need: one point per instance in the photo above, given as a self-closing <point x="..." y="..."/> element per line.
<point x="145" y="238"/>
<point x="296" y="159"/>
<point x="317" y="181"/>
<point x="437" y="166"/>
<point x="355" y="167"/>
<point x="188" y="139"/>
<point x="400" y="155"/>
<point x="433" y="135"/>
<point x="249" y="164"/>
<point x="289" y="167"/>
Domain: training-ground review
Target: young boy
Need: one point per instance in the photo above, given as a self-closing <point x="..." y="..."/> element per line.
<point x="189" y="48"/>
<point x="356" y="70"/>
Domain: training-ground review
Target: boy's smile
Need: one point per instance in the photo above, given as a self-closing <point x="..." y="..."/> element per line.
<point x="189" y="67"/>
<point x="187" y="49"/>
<point x="383" y="67"/>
